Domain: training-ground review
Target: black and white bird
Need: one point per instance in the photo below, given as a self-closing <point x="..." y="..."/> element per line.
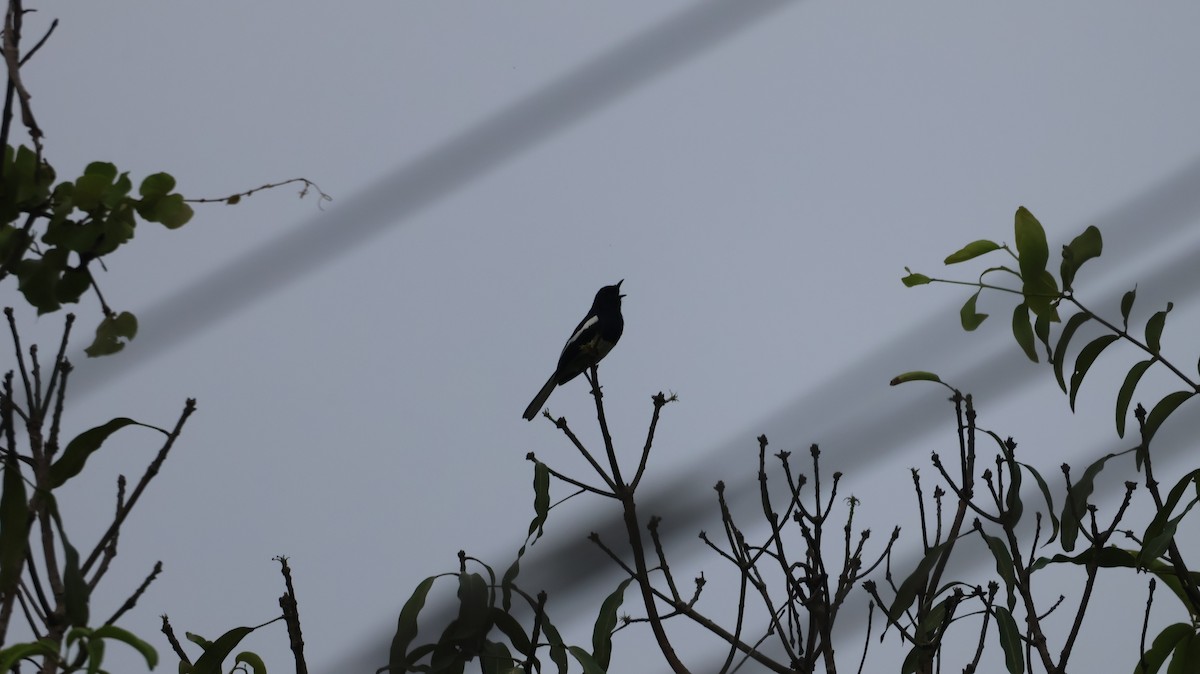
<point x="593" y="338"/>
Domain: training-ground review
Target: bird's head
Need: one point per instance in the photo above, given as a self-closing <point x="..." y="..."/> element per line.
<point x="610" y="295"/>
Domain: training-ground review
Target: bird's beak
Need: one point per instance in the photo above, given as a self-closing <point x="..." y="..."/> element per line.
<point x="619" y="286"/>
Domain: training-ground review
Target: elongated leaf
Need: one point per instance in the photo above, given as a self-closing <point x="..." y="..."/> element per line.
<point x="1041" y="328"/>
<point x="1154" y="328"/>
<point x="513" y="630"/>
<point x="95" y="652"/>
<point x="474" y="617"/>
<point x="1010" y="641"/>
<point x="14" y="525"/>
<point x="1168" y="506"/>
<point x="541" y="497"/>
<point x="1163" y="645"/>
<point x="558" y="651"/>
<point x="932" y="622"/>
<point x="1186" y="659"/>
<point x="129" y="638"/>
<point x="1049" y="501"/>
<point x="1087" y="356"/>
<point x="1127" y="305"/>
<point x="605" y="623"/>
<point x="76" y="593"/>
<point x="1031" y="244"/>
<point x="907" y="592"/>
<point x="251" y="660"/>
<point x="1064" y="339"/>
<point x="1023" y="331"/>
<point x="1155" y="546"/>
<point x="971" y="318"/>
<point x="1125" y="395"/>
<point x="915" y="375"/>
<point x="78" y="450"/>
<point x="1075" y="507"/>
<point x="589" y="664"/>
<point x="1084" y="247"/>
<point x="1161" y="411"/>
<point x="972" y="250"/>
<point x="210" y="662"/>
<point x="10" y="656"/>
<point x="406" y="626"/>
<point x="1004" y="566"/>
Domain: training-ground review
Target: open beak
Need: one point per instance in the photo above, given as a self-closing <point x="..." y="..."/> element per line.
<point x="619" y="286"/>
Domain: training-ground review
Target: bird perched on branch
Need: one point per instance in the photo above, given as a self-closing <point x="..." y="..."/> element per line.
<point x="593" y="338"/>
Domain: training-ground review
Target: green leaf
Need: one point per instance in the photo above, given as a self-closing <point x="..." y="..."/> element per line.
<point x="197" y="639"/>
<point x="907" y="592"/>
<point x="214" y="655"/>
<point x="170" y="210"/>
<point x="1127" y="306"/>
<point x="1155" y="545"/>
<point x="1161" y="411"/>
<point x="513" y="630"/>
<point x="1163" y="645"/>
<point x="1041" y="294"/>
<point x="126" y="637"/>
<point x="38" y="279"/>
<point x="1010" y="640"/>
<point x="78" y="450"/>
<point x="971" y="319"/>
<point x="1032" y="250"/>
<point x="73" y="283"/>
<point x="406" y="627"/>
<point x="1186" y="659"/>
<point x="474" y="618"/>
<point x="915" y="375"/>
<point x="157" y="185"/>
<point x="541" y="498"/>
<point x="1168" y="507"/>
<point x="76" y="593"/>
<point x="1075" y="507"/>
<point x="590" y="666"/>
<point x="914" y="279"/>
<point x="14" y="525"/>
<point x="1049" y="500"/>
<point x="1060" y="350"/>
<point x="1023" y="331"/>
<point x="251" y="660"/>
<point x="95" y="651"/>
<point x="605" y="623"/>
<point x="1154" y="328"/>
<point x="1084" y="247"/>
<point x="10" y="656"/>
<point x="972" y="250"/>
<point x="1004" y="565"/>
<point x="1087" y="356"/>
<point x="1125" y="395"/>
<point x="110" y="333"/>
<point x="495" y="658"/>
<point x="1041" y="328"/>
<point x="558" y="651"/>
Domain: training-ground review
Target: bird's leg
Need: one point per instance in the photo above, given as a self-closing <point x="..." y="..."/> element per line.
<point x="591" y="375"/>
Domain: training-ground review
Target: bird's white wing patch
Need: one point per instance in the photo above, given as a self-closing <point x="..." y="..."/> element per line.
<point x="579" y="333"/>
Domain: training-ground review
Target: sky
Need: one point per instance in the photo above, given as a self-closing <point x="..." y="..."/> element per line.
<point x="758" y="173"/>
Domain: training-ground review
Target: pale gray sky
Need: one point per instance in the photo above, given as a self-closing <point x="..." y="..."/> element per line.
<point x="759" y="174"/>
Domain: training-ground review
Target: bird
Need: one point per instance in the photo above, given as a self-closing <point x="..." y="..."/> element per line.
<point x="593" y="338"/>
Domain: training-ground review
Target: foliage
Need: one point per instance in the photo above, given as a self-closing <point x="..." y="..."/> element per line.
<point x="53" y="236"/>
<point x="1000" y="504"/>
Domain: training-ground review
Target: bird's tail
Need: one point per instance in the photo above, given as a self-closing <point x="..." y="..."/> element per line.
<point x="540" y="399"/>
